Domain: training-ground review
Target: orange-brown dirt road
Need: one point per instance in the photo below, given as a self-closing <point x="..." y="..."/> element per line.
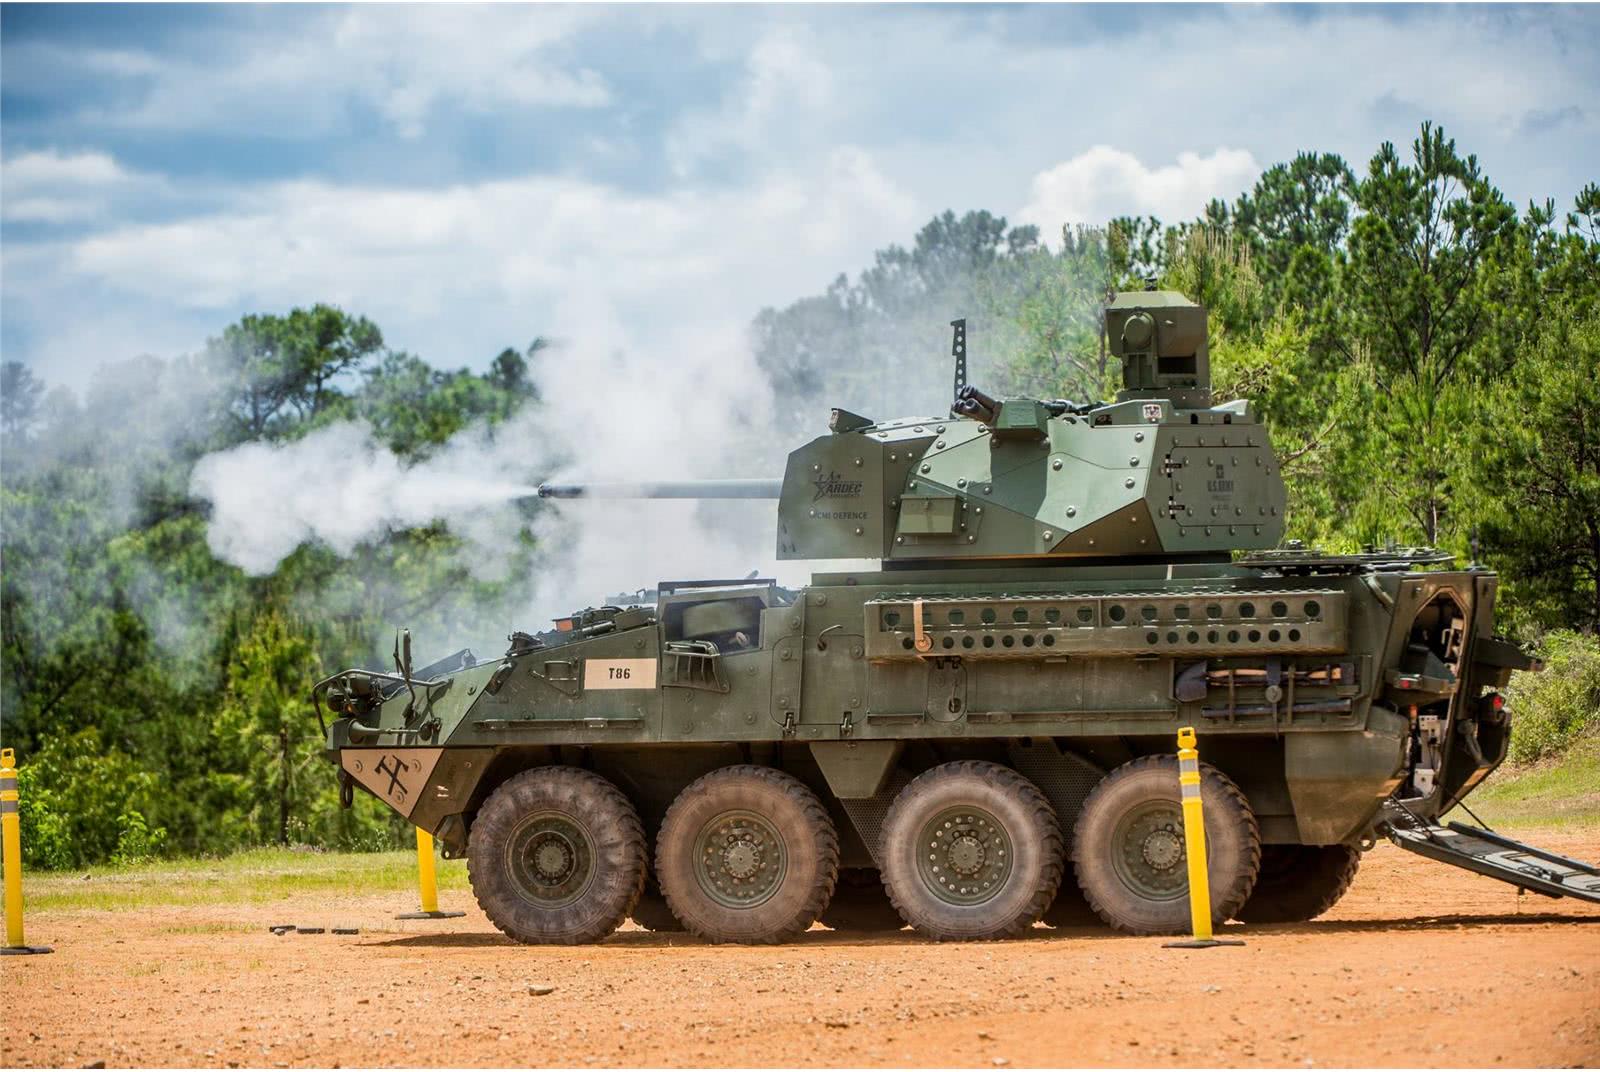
<point x="1421" y="964"/>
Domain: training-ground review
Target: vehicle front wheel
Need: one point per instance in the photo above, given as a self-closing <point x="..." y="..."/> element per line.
<point x="972" y="850"/>
<point x="1129" y="851"/>
<point x="556" y="857"/>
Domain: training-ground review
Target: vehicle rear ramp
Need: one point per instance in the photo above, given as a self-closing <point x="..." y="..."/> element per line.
<point x="1488" y="853"/>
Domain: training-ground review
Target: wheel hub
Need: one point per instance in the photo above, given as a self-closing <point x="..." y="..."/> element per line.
<point x="550" y="859"/>
<point x="964" y="855"/>
<point x="740" y="860"/>
<point x="1163" y="849"/>
<point x="742" y="857"/>
<point x="1148" y="851"/>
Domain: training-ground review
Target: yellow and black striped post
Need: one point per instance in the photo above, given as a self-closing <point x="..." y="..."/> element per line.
<point x="427" y="882"/>
<point x="1194" y="847"/>
<point x="11" y="836"/>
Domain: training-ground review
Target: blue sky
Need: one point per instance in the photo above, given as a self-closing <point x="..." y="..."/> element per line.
<point x="471" y="177"/>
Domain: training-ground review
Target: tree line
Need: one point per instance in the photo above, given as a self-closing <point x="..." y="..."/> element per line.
<point x="1425" y="354"/>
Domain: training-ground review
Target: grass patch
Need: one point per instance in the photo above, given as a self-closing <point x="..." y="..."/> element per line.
<point x="1561" y="791"/>
<point x="259" y="876"/>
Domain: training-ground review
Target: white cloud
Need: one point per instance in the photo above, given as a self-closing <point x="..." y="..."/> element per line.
<point x="49" y="186"/>
<point x="786" y="91"/>
<point x="1102" y="183"/>
<point x="300" y="73"/>
<point x="455" y="273"/>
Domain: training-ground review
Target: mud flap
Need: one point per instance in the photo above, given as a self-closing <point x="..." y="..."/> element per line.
<point x="1488" y="853"/>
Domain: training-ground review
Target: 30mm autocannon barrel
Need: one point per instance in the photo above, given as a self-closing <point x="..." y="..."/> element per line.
<point x="665" y="489"/>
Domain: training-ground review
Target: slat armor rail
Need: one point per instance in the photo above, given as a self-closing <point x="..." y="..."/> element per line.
<point x="1109" y="625"/>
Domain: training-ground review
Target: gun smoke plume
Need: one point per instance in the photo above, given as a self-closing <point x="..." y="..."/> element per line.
<point x="611" y="409"/>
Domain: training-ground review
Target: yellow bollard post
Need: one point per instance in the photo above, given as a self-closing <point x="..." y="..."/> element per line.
<point x="11" y="849"/>
<point x="1194" y="846"/>
<point x="427" y="882"/>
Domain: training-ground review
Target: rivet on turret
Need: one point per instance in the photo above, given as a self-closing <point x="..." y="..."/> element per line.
<point x="1230" y="531"/>
<point x="970" y="539"/>
<point x="1208" y="530"/>
<point x="816" y="468"/>
<point x="813" y="513"/>
<point x="926" y="468"/>
<point x="939" y="445"/>
<point x="1238" y="511"/>
<point x="1128" y="483"/>
<point x="987" y="489"/>
<point x="977" y="509"/>
<point x="892" y="456"/>
<point x="918" y="428"/>
<point x="939" y="430"/>
<point x="858" y="530"/>
<point x="1091" y="542"/>
<point x="1133" y="461"/>
<point x="1072" y="511"/>
<point x="899" y="539"/>
<point x="1138" y="437"/>
<point x="858" y="461"/>
<point x="1047" y="535"/>
<point x="1056" y="465"/>
<point x="961" y="483"/>
<point x="1274" y="511"/>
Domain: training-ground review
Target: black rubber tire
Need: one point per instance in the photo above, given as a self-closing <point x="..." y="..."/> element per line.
<point x="1071" y="908"/>
<point x="1233" y="846"/>
<point x="809" y="841"/>
<point x="860" y="903"/>
<point x="653" y="913"/>
<point x="614" y="838"/>
<point x="1028" y="822"/>
<point x="1300" y="882"/>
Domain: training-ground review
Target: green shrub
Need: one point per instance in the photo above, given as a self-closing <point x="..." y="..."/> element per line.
<point x="84" y="803"/>
<point x="1556" y="706"/>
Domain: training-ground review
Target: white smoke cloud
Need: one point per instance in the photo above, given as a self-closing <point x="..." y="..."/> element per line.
<point x="340" y="487"/>
<point x="690" y="406"/>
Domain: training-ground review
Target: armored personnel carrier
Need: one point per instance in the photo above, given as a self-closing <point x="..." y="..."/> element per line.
<point x="979" y="732"/>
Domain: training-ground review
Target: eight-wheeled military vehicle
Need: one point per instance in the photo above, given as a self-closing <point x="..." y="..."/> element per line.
<point x="979" y="732"/>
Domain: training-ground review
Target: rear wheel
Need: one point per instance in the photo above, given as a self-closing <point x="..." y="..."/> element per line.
<point x="1129" y="847"/>
<point x="860" y="903"/>
<point x="1300" y="882"/>
<point x="972" y="851"/>
<point x="747" y="854"/>
<point x="556" y="857"/>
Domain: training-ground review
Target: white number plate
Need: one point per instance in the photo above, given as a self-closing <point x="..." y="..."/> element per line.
<point x="619" y="673"/>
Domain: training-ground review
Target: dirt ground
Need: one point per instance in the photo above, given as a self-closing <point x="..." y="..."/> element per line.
<point x="1421" y="964"/>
